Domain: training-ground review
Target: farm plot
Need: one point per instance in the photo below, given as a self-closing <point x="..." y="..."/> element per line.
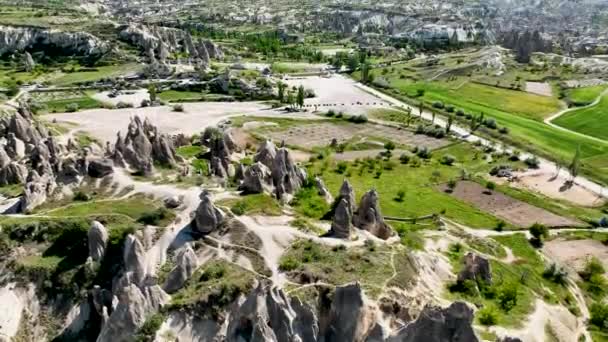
<point x="321" y="134"/>
<point x="510" y="209"/>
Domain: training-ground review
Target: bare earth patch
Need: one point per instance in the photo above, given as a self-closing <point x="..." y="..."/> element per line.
<point x="546" y="182"/>
<point x="575" y="253"/>
<point x="539" y="88"/>
<point x="321" y="134"/>
<point x="510" y="209"/>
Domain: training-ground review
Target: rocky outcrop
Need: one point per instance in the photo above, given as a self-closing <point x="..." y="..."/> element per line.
<point x="322" y="190"/>
<point x="257" y="179"/>
<point x="133" y="307"/>
<point x="341" y="225"/>
<point x="286" y="176"/>
<point x="158" y="42"/>
<point x="142" y="146"/>
<point x="20" y="39"/>
<point x="97" y="241"/>
<point x="28" y="62"/>
<point x="134" y="261"/>
<point x="13" y="173"/>
<point x="221" y="146"/>
<point x="207" y="216"/>
<point x="99" y="168"/>
<point x="36" y="191"/>
<point x="267" y="314"/>
<point x="475" y="268"/>
<point x="186" y="263"/>
<point x="266" y="154"/>
<point x="350" y="318"/>
<point x="368" y="216"/>
<point x="347" y="192"/>
<point x="436" y="324"/>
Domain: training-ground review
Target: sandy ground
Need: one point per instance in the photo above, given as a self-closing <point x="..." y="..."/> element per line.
<point x="545" y="182"/>
<point x="133" y="97"/>
<point x="105" y="123"/>
<point x="539" y="88"/>
<point x="322" y="134"/>
<point x="574" y="253"/>
<point x="338" y="93"/>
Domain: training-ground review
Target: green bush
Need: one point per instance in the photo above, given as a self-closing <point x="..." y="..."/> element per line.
<point x="447" y="160"/>
<point x="215" y="271"/>
<point x="488" y="316"/>
<point x="507" y="296"/>
<point x="404" y="158"/>
<point x="81" y="197"/>
<point x="72" y="107"/>
<point x="289" y="263"/>
<point x="154" y="217"/>
<point x="599" y="315"/>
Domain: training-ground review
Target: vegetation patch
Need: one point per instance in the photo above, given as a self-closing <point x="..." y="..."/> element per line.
<point x="256" y="204"/>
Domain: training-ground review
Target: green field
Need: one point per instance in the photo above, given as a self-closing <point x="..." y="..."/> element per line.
<point x="97" y="74"/>
<point x="60" y="106"/>
<point x="176" y="96"/>
<point x="585" y="95"/>
<point x="592" y="121"/>
<point x="520" y="112"/>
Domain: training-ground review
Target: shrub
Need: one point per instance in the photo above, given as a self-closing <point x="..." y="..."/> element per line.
<point x="215" y="271"/>
<point x="507" y="296"/>
<point x="532" y="162"/>
<point x="145" y="103"/>
<point x="400" y="196"/>
<point x="488" y="316"/>
<point x="330" y="113"/>
<point x="447" y="160"/>
<point x="389" y="146"/>
<point x="289" y="263"/>
<point x="449" y="109"/>
<point x="599" y="315"/>
<point x="452" y="184"/>
<point x="490" y="185"/>
<point x="378" y="173"/>
<point x="503" y="130"/>
<point x="81" y="196"/>
<point x="178" y="108"/>
<point x="555" y="274"/>
<point x="341" y="167"/>
<point x="538" y="232"/>
<point x="153" y="217"/>
<point x="358" y="118"/>
<point x="72" y="107"/>
<point x="592" y="267"/>
<point x="424" y="153"/>
<point x="500" y="226"/>
<point x="490" y="123"/>
<point x="419" y="92"/>
<point x="438" y="104"/>
<point x="404" y="158"/>
<point x="459" y="112"/>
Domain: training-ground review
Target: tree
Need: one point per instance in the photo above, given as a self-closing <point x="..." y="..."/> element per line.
<point x="448" y="126"/>
<point x="538" y="232"/>
<point x="291" y="100"/>
<point x="420" y="108"/>
<point x="152" y="92"/>
<point x="408" y="120"/>
<point x="433" y="116"/>
<point x="281" y="94"/>
<point x="300" y="98"/>
<point x="576" y="163"/>
<point x="13" y="88"/>
<point x="353" y="62"/>
<point x="365" y="72"/>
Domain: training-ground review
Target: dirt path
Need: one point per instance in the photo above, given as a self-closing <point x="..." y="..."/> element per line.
<point x="549" y="119"/>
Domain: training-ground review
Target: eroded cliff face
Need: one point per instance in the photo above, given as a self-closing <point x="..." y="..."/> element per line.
<point x="50" y="41"/>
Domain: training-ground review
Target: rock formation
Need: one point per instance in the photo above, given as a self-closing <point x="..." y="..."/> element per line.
<point x="347" y="192"/>
<point x="97" y="240"/>
<point x="287" y="177"/>
<point x="322" y="190"/>
<point x="28" y="62"/>
<point x="13" y="173"/>
<point x="99" y="168"/>
<point x="350" y="318"/>
<point x="257" y="179"/>
<point x="221" y="146"/>
<point x="476" y="268"/>
<point x="369" y="217"/>
<point x="267" y="314"/>
<point x="207" y="217"/>
<point x="134" y="305"/>
<point x="436" y="324"/>
<point x="186" y="264"/>
<point x="142" y="146"/>
<point x="266" y="154"/>
<point x="134" y="261"/>
<point x="341" y="225"/>
<point x="19" y="39"/>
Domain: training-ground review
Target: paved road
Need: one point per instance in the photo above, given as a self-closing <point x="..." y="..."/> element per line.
<point x="466" y="135"/>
